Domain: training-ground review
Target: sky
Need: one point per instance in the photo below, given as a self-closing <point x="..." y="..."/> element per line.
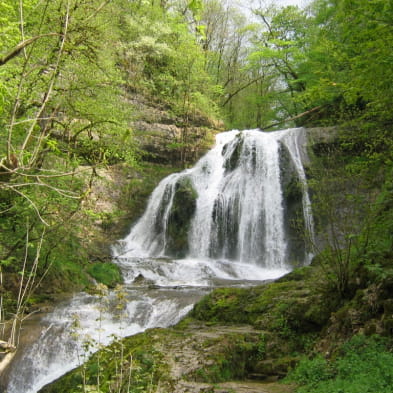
<point x="299" y="3"/>
<point x="249" y="3"/>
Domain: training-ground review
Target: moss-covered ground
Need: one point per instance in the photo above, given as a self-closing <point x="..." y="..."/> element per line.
<point x="257" y="334"/>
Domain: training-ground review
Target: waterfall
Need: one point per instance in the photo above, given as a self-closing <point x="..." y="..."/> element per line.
<point x="239" y="212"/>
<point x="82" y="325"/>
<point x="228" y="221"/>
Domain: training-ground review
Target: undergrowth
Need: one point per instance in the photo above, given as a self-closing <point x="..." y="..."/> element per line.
<point x="364" y="365"/>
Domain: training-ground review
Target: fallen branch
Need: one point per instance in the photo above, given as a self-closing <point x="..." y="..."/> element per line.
<point x="9" y="351"/>
<point x="6" y="361"/>
<point x="6" y="346"/>
<point x="292" y="118"/>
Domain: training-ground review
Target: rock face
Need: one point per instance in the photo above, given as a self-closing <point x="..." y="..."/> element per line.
<point x="321" y="139"/>
<point x="179" y="220"/>
<point x="194" y="359"/>
<point x="293" y="208"/>
<point x="164" y="138"/>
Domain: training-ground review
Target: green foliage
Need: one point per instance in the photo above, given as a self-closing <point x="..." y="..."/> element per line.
<point x="62" y="114"/>
<point x="105" y="273"/>
<point x="129" y="365"/>
<point x="365" y="364"/>
<point x="162" y="58"/>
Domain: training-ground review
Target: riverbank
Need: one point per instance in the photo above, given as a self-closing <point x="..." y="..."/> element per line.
<point x="237" y="335"/>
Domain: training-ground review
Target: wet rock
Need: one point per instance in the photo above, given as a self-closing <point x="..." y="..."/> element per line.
<point x="141" y="280"/>
<point x="233" y="160"/>
<point x="293" y="208"/>
<point x="179" y="220"/>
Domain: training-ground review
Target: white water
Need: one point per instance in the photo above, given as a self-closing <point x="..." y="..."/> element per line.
<point x="237" y="237"/>
<point x="86" y="321"/>
<point x="240" y="208"/>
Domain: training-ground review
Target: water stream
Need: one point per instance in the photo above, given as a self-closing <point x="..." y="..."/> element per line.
<point x="224" y="222"/>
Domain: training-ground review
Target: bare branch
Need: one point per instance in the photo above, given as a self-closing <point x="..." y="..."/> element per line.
<point x="102" y="5"/>
<point x="21" y="46"/>
<point x="67" y="194"/>
<point x="51" y="84"/>
<point x="35" y="119"/>
<point x="292" y="118"/>
<point x="241" y="88"/>
<point x="32" y="204"/>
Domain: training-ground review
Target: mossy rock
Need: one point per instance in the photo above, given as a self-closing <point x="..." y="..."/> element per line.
<point x="226" y="305"/>
<point x="288" y="308"/>
<point x="275" y="367"/>
<point x="179" y="220"/>
<point x="298" y="274"/>
<point x="229" y="357"/>
<point x="293" y="207"/>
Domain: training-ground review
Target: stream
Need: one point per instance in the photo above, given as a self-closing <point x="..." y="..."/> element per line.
<point x="238" y="234"/>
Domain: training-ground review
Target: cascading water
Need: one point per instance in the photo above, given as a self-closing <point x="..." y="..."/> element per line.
<point x="79" y="327"/>
<point x="239" y="211"/>
<point x="227" y="221"/>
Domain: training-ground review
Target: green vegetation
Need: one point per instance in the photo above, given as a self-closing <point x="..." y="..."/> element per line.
<point x="69" y="74"/>
<point x="325" y="343"/>
<point x="130" y="365"/>
<point x="105" y="273"/>
<point x="364" y="364"/>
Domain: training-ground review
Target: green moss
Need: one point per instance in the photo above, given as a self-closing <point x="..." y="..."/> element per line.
<point x="290" y="309"/>
<point x="229" y="357"/>
<point x="365" y="364"/>
<point x="179" y="220"/>
<point x="226" y="305"/>
<point x="298" y="274"/>
<point x="105" y="273"/>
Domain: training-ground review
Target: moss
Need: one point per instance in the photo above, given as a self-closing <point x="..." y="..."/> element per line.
<point x="290" y="309"/>
<point x="298" y="274"/>
<point x="179" y="220"/>
<point x="226" y="305"/>
<point x="229" y="357"/>
<point x="293" y="207"/>
<point x="105" y="273"/>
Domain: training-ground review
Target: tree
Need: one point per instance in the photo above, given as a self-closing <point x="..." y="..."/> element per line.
<point x="61" y="116"/>
<point x="226" y="46"/>
<point x="279" y="48"/>
<point x="162" y="59"/>
<point x="344" y="72"/>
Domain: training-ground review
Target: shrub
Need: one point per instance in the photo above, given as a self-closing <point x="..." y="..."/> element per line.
<point x="364" y="364"/>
